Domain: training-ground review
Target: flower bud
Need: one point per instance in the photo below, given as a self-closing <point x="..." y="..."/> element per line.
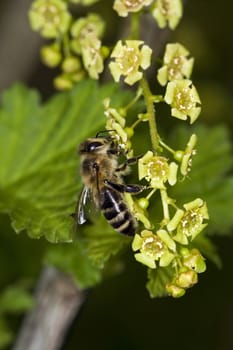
<point x="186" y="279"/>
<point x="71" y="64"/>
<point x="184" y="252"/>
<point x="63" y="82"/>
<point x="51" y="55"/>
<point x="104" y="51"/>
<point x="175" y="291"/>
<point x="77" y="76"/>
<point x="143" y="203"/>
<point x="178" y="156"/>
<point x="194" y="260"/>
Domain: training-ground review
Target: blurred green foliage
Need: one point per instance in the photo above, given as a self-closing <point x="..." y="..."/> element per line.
<point x="119" y="314"/>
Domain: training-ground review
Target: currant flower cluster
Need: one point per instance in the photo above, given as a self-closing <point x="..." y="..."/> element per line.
<point x="76" y="47"/>
<point x="170" y="243"/>
<point x="76" y="43"/>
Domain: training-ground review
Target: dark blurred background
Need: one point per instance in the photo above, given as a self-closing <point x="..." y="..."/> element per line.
<point x="119" y="314"/>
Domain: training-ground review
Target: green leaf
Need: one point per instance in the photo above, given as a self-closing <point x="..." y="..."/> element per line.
<point x="209" y="177"/>
<point x="101" y="242"/>
<point x="87" y="257"/>
<point x="39" y="181"/>
<point x="157" y="280"/>
<point x="74" y="260"/>
<point x="214" y="152"/>
<point x="15" y="299"/>
<point x="220" y="204"/>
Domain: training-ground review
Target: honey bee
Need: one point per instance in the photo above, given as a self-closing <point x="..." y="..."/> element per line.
<point x="102" y="177"/>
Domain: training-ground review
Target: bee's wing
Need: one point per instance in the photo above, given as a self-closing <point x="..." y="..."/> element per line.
<point x="85" y="196"/>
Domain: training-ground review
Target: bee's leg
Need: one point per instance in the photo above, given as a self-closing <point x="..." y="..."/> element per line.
<point x="123" y="167"/>
<point x="125" y="187"/>
<point x="132" y="188"/>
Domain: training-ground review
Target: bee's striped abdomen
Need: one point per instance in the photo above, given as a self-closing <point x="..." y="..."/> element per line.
<point x="116" y="211"/>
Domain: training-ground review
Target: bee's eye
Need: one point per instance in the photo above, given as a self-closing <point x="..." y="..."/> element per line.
<point x="93" y="146"/>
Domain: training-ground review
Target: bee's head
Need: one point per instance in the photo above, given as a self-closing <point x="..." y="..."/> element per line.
<point x="95" y="145"/>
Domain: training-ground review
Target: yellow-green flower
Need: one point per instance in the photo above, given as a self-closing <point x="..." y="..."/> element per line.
<point x="153" y="247"/>
<point x="176" y="64"/>
<point x="189" y="152"/>
<point x="83" y="29"/>
<point x="157" y="170"/>
<point x="129" y="59"/>
<point x="193" y="259"/>
<point x="86" y="33"/>
<point x="116" y="123"/>
<point x="113" y="113"/>
<point x="63" y="82"/>
<point x="185" y="157"/>
<point x="92" y="58"/>
<point x="167" y="12"/>
<point x="71" y="64"/>
<point x="184" y="99"/>
<point x="191" y="262"/>
<point x="123" y="7"/>
<point x="174" y="291"/>
<point x="186" y="279"/>
<point x="188" y="223"/>
<point x="50" y="17"/>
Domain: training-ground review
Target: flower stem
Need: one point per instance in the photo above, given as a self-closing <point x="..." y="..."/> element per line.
<point x="135" y="99"/>
<point x="169" y="149"/>
<point x="134" y="32"/>
<point x="135" y="123"/>
<point x="150" y="193"/>
<point x="66" y="45"/>
<point x="151" y="114"/>
<point x="164" y="199"/>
